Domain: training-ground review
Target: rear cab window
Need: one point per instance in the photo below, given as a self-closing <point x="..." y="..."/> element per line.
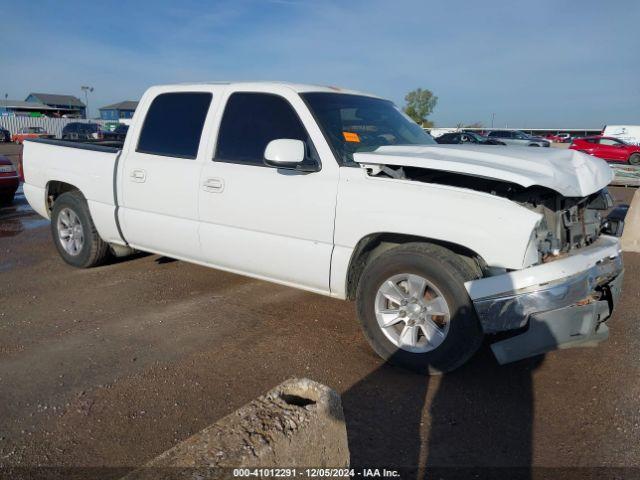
<point x="173" y="124"/>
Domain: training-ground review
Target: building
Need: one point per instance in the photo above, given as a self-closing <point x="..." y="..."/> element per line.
<point x="25" y="109"/>
<point x="118" y="110"/>
<point x="63" y="105"/>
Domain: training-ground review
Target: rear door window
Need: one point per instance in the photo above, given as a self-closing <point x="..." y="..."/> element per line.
<point x="173" y="124"/>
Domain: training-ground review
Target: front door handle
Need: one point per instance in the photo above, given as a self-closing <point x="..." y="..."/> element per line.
<point x="213" y="185"/>
<point x="138" y="175"/>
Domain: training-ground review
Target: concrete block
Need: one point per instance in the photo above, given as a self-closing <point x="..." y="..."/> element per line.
<point x="299" y="423"/>
<point x="631" y="233"/>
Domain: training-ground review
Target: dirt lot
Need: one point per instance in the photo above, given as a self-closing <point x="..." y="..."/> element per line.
<point x="113" y="365"/>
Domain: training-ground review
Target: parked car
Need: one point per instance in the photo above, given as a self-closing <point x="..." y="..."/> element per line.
<point x="9" y="180"/>
<point x="5" y="135"/>
<point x="82" y="131"/>
<point x="457" y="138"/>
<point x="559" y="137"/>
<point x="627" y="133"/>
<point x="30" y="133"/>
<point x="608" y="148"/>
<point x="118" y="134"/>
<point x="516" y="137"/>
<point x="339" y="193"/>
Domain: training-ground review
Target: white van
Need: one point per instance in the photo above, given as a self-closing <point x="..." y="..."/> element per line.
<point x="626" y="133"/>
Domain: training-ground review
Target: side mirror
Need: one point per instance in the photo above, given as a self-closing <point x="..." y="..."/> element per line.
<point x="284" y="153"/>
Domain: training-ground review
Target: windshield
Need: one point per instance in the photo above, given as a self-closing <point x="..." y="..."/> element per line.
<point x="356" y="123"/>
<point x="477" y="136"/>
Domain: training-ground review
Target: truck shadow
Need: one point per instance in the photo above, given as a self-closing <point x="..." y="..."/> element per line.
<point x="475" y="422"/>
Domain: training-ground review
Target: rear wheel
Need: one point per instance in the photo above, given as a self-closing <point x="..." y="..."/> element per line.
<point x="634" y="159"/>
<point x="415" y="311"/>
<point x="74" y="233"/>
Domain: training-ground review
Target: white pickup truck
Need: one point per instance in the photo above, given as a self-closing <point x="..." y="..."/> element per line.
<point x="339" y="193"/>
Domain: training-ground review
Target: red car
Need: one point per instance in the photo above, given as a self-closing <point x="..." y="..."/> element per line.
<point x="9" y="180"/>
<point x="608" y="148"/>
<point x="30" y="132"/>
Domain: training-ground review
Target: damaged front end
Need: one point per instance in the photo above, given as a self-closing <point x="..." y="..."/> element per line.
<point x="553" y="305"/>
<point x="567" y="224"/>
<point x="571" y="275"/>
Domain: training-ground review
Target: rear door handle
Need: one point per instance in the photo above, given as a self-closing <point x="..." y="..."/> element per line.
<point x="138" y="175"/>
<point x="213" y="185"/>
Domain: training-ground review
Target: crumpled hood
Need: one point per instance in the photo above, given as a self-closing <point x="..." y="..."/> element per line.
<point x="568" y="172"/>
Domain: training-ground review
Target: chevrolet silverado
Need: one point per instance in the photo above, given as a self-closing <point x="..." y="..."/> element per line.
<point x="340" y="193"/>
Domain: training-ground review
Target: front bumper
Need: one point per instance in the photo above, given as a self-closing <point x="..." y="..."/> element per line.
<point x="559" y="304"/>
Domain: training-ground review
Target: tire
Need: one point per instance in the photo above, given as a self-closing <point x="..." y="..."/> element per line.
<point x="92" y="251"/>
<point x="634" y="159"/>
<point x="534" y="145"/>
<point x="447" y="273"/>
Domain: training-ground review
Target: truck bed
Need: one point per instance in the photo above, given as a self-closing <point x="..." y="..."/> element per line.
<point x="88" y="167"/>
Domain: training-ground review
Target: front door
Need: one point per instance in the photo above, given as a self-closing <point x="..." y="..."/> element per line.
<point x="160" y="175"/>
<point x="266" y="222"/>
<point x="612" y="149"/>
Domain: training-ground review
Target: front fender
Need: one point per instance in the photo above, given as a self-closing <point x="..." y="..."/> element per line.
<point x="495" y="228"/>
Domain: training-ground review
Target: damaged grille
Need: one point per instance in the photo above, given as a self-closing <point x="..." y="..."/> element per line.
<point x="568" y="223"/>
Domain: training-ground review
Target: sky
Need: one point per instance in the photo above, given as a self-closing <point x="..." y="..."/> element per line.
<point x="525" y="64"/>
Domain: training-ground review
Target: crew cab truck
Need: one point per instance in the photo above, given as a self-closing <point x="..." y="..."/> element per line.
<point x="339" y="193"/>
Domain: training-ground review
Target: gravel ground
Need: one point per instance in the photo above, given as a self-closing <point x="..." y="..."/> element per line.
<point x="113" y="365"/>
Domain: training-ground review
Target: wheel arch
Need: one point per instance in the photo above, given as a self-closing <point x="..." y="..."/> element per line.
<point x="55" y="188"/>
<point x="372" y="245"/>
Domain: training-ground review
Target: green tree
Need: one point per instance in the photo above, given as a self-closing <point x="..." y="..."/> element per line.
<point x="420" y="104"/>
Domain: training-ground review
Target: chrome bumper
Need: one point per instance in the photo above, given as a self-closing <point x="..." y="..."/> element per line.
<point x="560" y="313"/>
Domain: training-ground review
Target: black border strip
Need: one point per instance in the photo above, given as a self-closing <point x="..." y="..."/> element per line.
<point x="115" y="198"/>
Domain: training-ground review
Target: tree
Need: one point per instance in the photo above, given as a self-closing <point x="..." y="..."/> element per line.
<point x="420" y="104"/>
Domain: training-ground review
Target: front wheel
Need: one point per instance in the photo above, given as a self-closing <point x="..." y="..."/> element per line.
<point x="415" y="310"/>
<point x="634" y="159"/>
<point x="74" y="233"/>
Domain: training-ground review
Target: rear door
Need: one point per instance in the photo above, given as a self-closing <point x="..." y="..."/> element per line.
<point x="160" y="173"/>
<point x="270" y="223"/>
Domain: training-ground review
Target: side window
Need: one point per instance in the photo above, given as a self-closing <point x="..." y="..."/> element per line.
<point x="609" y="142"/>
<point x="250" y="121"/>
<point x="173" y="125"/>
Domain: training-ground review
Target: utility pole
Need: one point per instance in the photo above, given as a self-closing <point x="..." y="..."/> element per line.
<point x="493" y="116"/>
<point x="86" y="91"/>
